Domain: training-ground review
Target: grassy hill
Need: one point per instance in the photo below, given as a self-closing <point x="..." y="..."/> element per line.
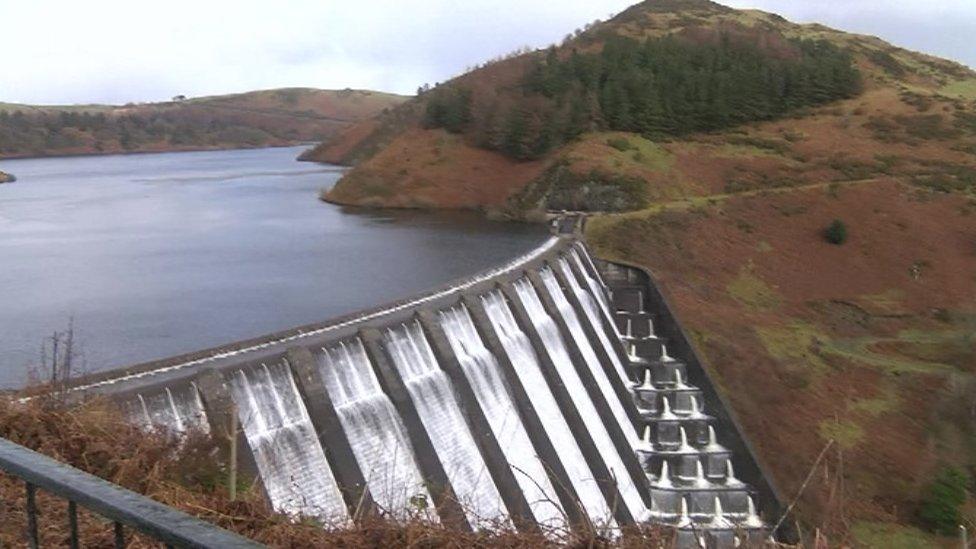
<point x="867" y="345"/>
<point x="908" y="107"/>
<point x="253" y="119"/>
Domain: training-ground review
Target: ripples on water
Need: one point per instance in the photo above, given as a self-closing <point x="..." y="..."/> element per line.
<point x="160" y="254"/>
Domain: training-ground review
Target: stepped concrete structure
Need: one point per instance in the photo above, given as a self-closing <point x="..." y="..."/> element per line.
<point x="557" y="390"/>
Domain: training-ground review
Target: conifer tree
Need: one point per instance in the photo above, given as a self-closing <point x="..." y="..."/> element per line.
<point x="656" y="87"/>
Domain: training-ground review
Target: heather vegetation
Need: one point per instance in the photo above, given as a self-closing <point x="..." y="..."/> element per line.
<point x="658" y="87"/>
<point x="191" y="473"/>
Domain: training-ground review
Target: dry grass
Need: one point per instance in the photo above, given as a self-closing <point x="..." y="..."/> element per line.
<point x="191" y="476"/>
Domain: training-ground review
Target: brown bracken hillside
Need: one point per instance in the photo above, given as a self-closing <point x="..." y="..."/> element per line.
<point x="724" y="193"/>
<point x="255" y="119"/>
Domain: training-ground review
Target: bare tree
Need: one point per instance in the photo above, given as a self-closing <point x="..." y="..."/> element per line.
<point x="59" y="355"/>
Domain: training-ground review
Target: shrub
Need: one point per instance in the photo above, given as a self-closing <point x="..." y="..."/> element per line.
<point x="927" y="126"/>
<point x="884" y="129"/>
<point x="833" y="190"/>
<point x="774" y="145"/>
<point x="793" y="136"/>
<point x="940" y="505"/>
<point x="620" y="143"/>
<point x="836" y="232"/>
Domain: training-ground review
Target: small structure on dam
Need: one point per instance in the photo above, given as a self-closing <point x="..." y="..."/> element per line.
<point x="556" y="390"/>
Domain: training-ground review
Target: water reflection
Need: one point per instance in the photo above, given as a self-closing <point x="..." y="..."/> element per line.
<point x="161" y="254"/>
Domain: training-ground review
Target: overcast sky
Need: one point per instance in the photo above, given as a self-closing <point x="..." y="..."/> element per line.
<point x="116" y="51"/>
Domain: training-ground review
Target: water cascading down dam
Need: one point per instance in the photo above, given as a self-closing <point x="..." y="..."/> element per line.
<point x="555" y="391"/>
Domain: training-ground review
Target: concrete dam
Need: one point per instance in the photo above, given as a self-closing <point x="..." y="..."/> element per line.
<point x="554" y="391"/>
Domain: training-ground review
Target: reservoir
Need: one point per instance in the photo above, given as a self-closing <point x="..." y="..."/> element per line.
<point x="154" y="255"/>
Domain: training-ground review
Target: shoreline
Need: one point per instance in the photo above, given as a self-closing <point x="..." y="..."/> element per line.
<point x="153" y="151"/>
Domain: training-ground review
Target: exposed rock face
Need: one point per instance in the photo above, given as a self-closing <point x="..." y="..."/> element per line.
<point x="7" y="178"/>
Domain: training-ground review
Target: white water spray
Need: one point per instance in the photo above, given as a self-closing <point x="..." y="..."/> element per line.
<point x="589" y="355"/>
<point x="293" y="468"/>
<point x="556" y="347"/>
<point x="519" y="350"/>
<point x="484" y="375"/>
<point x="593" y="316"/>
<point x="730" y="479"/>
<point x="436" y="403"/>
<point x="664" y="479"/>
<point x="374" y="429"/>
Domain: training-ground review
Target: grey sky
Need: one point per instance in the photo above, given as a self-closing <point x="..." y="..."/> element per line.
<point x="58" y="51"/>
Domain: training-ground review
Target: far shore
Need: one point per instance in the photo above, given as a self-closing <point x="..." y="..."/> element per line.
<point x="276" y="145"/>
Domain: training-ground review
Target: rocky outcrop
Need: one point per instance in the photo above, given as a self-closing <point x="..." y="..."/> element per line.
<point x="7" y="178"/>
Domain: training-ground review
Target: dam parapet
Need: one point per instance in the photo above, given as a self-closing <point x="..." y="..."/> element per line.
<point x="554" y="391"/>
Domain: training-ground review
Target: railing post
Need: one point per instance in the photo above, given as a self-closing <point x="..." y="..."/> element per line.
<point x="232" y="442"/>
<point x="73" y="523"/>
<point x="32" y="539"/>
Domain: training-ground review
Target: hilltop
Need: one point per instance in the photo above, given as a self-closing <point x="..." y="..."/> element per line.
<point x="714" y="146"/>
<point x="254" y="119"/>
<point x="501" y="153"/>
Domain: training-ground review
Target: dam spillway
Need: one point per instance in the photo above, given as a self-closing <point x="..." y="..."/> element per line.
<point x="542" y="395"/>
<point x="282" y="440"/>
<point x="483" y="373"/>
<point x="444" y="420"/>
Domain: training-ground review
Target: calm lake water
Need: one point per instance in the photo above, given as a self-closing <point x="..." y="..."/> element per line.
<point x="160" y="254"/>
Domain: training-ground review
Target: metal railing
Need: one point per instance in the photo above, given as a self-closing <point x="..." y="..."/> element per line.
<point x="168" y="526"/>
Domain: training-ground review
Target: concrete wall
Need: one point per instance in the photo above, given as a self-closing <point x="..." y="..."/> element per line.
<point x="211" y="374"/>
<point x="623" y="278"/>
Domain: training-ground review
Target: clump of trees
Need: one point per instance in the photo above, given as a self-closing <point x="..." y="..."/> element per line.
<point x="943" y="498"/>
<point x="657" y="87"/>
<point x="47" y="132"/>
<point x="448" y="107"/>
